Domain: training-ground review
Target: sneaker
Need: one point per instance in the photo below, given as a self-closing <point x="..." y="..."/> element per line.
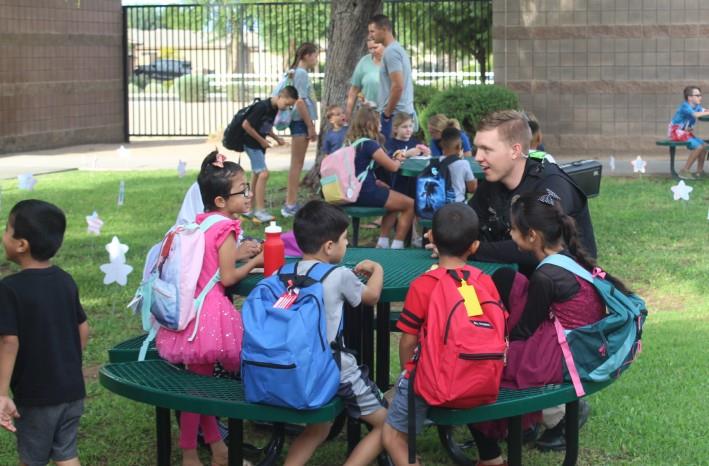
<point x="289" y="210"/>
<point x="417" y="242"/>
<point x="686" y="175"/>
<point x="261" y="216"/>
<point x="554" y="439"/>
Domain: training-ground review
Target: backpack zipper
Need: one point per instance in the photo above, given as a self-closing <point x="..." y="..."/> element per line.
<point x="448" y="322"/>
<point x="270" y="365"/>
<point x="481" y="356"/>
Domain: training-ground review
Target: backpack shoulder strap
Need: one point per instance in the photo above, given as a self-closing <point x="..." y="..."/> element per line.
<point x="359" y="141"/>
<point x="565" y="262"/>
<point x="210" y="221"/>
<point x="320" y="271"/>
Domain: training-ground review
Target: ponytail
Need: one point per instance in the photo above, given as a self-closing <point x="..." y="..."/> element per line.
<point x="542" y="212"/>
<point x="306" y="48"/>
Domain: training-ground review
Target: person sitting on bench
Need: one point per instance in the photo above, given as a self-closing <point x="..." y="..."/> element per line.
<point x="681" y="128"/>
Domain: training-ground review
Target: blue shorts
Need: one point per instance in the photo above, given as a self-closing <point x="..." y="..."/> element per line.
<point x="257" y="157"/>
<point x="372" y="195"/>
<point x="298" y="128"/>
<point x="398" y="413"/>
<point x="694" y="143"/>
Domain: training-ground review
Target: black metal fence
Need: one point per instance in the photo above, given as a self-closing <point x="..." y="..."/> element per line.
<point x="190" y="68"/>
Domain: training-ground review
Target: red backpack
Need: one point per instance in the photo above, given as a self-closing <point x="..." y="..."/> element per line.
<point x="462" y="349"/>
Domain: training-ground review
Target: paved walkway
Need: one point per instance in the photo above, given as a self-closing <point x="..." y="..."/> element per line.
<point x="164" y="153"/>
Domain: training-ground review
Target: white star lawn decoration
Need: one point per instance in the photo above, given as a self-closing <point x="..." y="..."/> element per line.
<point x="116" y="250"/>
<point x="116" y="271"/>
<point x="94" y="224"/>
<point x="638" y="165"/>
<point x="681" y="191"/>
<point x="611" y="163"/>
<point x="26" y="181"/>
<point x="181" y="168"/>
<point x="123" y="152"/>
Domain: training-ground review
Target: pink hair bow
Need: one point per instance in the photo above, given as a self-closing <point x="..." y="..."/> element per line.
<point x="598" y="272"/>
<point x="220" y="161"/>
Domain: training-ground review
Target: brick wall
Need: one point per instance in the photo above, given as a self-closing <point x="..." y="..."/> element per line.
<point x="60" y="73"/>
<point x="603" y="76"/>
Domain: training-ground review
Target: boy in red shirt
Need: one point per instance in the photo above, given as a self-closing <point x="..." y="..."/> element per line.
<point x="455" y="235"/>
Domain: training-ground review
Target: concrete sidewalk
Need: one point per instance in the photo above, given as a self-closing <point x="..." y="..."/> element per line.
<point x="154" y="153"/>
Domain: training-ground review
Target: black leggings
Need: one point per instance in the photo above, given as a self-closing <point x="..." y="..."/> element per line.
<point x="487" y="448"/>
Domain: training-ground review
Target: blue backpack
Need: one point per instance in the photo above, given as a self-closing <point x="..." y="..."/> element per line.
<point x="286" y="359"/>
<point x="602" y="350"/>
<point x="433" y="188"/>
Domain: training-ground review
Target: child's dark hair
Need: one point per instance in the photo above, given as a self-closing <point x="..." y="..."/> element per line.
<point x="542" y="211"/>
<point x="318" y="222"/>
<point x="214" y="180"/>
<point x="381" y="21"/>
<point x="306" y="48"/>
<point x="449" y="137"/>
<point x="689" y="90"/>
<point x="40" y="223"/>
<point x="455" y="228"/>
<point x="289" y="91"/>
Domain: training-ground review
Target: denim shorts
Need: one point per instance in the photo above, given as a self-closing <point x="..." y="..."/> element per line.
<point x="47" y="433"/>
<point x="398" y="413"/>
<point x="298" y="128"/>
<point x="257" y="157"/>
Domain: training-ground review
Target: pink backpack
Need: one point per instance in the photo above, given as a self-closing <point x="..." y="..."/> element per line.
<point x="166" y="297"/>
<point x="338" y="179"/>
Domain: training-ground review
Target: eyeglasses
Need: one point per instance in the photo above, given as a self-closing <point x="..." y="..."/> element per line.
<point x="246" y="192"/>
<point x="696" y="95"/>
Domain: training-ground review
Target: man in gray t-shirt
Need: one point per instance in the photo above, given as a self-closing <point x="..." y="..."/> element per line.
<point x="396" y="86"/>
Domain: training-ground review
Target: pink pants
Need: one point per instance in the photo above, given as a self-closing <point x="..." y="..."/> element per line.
<point x="191" y="422"/>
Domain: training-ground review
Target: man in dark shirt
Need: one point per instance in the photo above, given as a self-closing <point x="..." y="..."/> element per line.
<point x="43" y="331"/>
<point x="502" y="142"/>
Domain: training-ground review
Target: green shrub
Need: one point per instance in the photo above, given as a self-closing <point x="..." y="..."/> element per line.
<point x="154" y="88"/>
<point x="192" y="87"/>
<point x="422" y="96"/>
<point x="468" y="104"/>
<point x="133" y="89"/>
<point x="140" y="80"/>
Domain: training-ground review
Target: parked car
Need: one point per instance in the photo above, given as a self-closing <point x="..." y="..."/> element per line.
<point x="165" y="69"/>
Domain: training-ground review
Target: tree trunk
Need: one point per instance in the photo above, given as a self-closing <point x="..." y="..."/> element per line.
<point x="346" y="45"/>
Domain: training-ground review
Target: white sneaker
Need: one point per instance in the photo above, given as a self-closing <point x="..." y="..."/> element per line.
<point x="261" y="216"/>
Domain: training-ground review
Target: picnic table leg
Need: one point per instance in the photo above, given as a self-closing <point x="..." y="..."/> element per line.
<point x="367" y="329"/>
<point x="672" y="162"/>
<point x="383" y="314"/>
<point x="162" y="427"/>
<point x="236" y="442"/>
<point x="572" y="433"/>
<point x="355" y="231"/>
<point x="353" y="434"/>
<point x="514" y="441"/>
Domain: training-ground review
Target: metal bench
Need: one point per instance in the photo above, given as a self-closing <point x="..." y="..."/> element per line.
<point x="673" y="145"/>
<point x="160" y="384"/>
<point x="359" y="212"/>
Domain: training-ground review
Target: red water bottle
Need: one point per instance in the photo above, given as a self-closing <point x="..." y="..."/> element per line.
<point x="274" y="251"/>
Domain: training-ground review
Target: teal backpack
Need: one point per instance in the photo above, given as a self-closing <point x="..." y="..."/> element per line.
<point x="600" y="351"/>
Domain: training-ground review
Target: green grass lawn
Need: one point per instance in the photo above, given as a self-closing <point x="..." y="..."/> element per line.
<point x="653" y="415"/>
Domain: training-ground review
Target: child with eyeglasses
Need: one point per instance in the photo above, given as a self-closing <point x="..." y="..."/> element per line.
<point x="225" y="193"/>
<point x="681" y="129"/>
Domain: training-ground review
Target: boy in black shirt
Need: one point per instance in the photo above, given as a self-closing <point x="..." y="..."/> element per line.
<point x="258" y="124"/>
<point x="43" y="331"/>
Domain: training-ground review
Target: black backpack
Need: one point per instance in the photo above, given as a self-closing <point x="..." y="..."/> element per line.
<point x="234" y="132"/>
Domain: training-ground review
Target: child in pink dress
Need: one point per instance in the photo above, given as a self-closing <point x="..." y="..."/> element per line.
<point x="224" y="192"/>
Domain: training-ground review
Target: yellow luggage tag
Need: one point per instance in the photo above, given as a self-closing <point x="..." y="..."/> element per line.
<point x="472" y="304"/>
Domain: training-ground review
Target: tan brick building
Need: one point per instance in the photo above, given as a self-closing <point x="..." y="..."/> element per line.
<point x="603" y="76"/>
<point x="60" y="73"/>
